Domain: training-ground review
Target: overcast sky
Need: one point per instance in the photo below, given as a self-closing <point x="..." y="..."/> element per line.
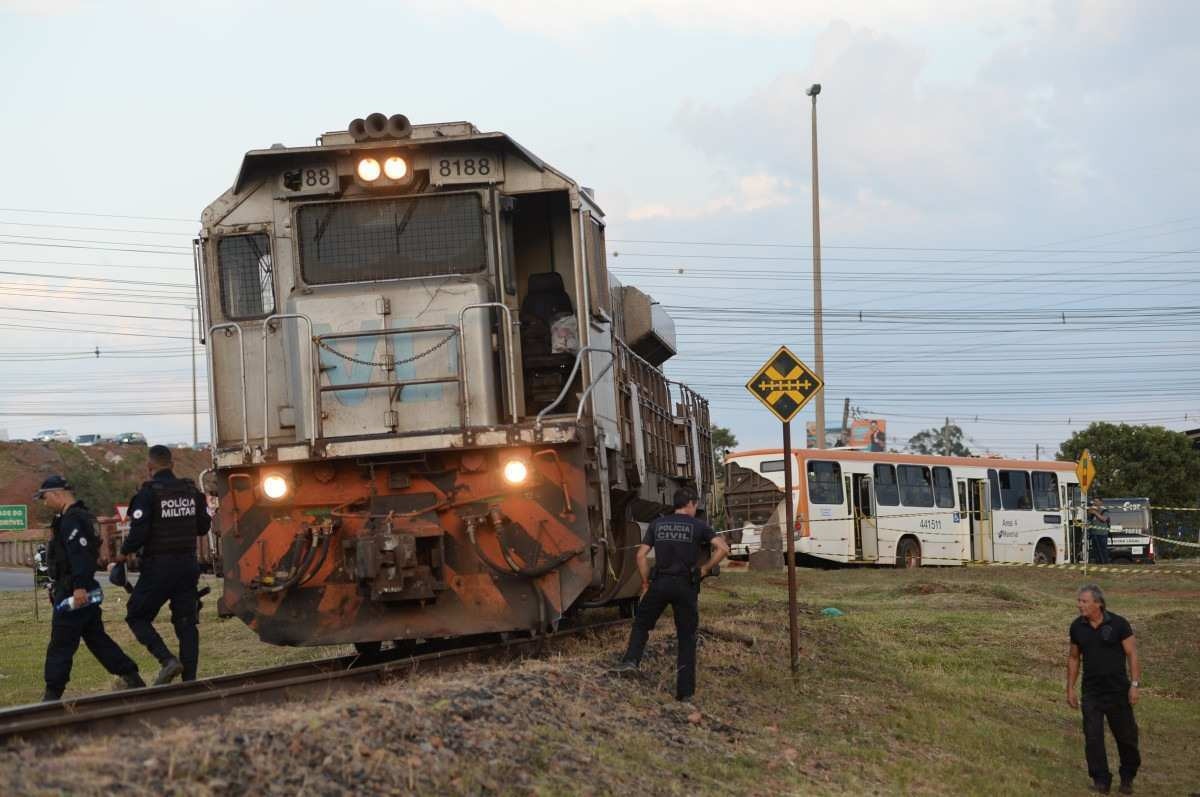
<point x="1007" y="188"/>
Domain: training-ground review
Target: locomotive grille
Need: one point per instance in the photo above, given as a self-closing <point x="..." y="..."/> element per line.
<point x="381" y="239"/>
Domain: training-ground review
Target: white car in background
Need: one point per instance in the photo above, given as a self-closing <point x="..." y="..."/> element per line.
<point x="53" y="436"/>
<point x="87" y="439"/>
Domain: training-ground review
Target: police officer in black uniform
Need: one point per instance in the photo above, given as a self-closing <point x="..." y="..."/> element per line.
<point x="72" y="556"/>
<point x="676" y="540"/>
<point x="166" y="516"/>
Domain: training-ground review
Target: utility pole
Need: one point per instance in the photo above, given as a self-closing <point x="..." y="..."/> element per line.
<point x="195" y="413"/>
<point x="1037" y="450"/>
<point x="946" y="438"/>
<point x="818" y="334"/>
<point x="846" y="422"/>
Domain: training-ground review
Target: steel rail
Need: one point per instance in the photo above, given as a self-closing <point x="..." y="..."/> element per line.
<point x="111" y="711"/>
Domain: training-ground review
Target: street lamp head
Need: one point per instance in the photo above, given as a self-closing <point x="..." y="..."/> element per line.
<point x="814" y="90"/>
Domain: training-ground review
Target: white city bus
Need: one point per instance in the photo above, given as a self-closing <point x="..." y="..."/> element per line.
<point x="906" y="510"/>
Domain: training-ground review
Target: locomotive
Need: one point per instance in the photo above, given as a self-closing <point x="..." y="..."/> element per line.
<point x="434" y="412"/>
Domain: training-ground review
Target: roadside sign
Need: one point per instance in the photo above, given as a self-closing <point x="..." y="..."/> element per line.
<point x="1085" y="469"/>
<point x="122" y="512"/>
<point x="14" y="517"/>
<point x="784" y="384"/>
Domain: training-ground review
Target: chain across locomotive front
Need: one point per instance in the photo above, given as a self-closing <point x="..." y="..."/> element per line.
<point x="426" y="409"/>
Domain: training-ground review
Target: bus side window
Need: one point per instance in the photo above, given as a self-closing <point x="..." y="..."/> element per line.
<point x="916" y="486"/>
<point x="887" y="493"/>
<point x="943" y="487"/>
<point x="825" y="483"/>
<point x="994" y="479"/>
<point x="1045" y="491"/>
<point x="1014" y="490"/>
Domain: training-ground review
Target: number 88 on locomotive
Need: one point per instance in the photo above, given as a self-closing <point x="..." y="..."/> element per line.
<point x="434" y="411"/>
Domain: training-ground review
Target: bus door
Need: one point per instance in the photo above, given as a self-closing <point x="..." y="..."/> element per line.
<point x="978" y="510"/>
<point x="866" y="529"/>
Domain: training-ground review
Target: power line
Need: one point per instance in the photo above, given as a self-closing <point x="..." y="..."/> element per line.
<point x="97" y="315"/>
<point x="93" y="229"/>
<point x="94" y="215"/>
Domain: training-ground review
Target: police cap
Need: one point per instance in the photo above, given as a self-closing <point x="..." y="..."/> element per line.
<point x="52" y="482"/>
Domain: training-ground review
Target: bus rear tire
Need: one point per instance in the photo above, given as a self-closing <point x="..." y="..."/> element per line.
<point x="1044" y="553"/>
<point x="908" y="554"/>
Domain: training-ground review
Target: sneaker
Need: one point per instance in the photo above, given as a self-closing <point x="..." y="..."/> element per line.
<point x="171" y="669"/>
<point x="131" y="681"/>
<point x="1101" y="787"/>
<point x="624" y="666"/>
<point x="1126" y="787"/>
<point x="50" y="696"/>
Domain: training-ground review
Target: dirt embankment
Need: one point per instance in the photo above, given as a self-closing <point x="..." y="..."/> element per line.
<point x="103" y="475"/>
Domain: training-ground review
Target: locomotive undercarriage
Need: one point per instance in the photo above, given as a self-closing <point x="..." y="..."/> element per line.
<point x="415" y="548"/>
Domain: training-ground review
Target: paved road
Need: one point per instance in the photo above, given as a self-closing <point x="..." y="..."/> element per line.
<point x="12" y="579"/>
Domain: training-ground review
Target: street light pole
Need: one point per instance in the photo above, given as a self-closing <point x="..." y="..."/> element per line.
<point x="195" y="413"/>
<point x="818" y="331"/>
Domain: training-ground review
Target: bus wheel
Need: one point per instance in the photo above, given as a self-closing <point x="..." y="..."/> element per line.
<point x="1044" y="553"/>
<point x="908" y="553"/>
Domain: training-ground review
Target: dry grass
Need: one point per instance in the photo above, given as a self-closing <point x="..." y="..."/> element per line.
<point x="942" y="682"/>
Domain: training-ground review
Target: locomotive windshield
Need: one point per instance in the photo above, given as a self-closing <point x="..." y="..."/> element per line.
<point x="381" y="239"/>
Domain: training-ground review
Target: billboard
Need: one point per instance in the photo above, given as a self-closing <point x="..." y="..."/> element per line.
<point x="866" y="434"/>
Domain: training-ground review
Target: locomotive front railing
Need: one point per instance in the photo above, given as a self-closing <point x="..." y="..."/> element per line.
<point x="319" y="342"/>
<point x="537" y="424"/>
<point x="310" y="382"/>
<point x="509" y="363"/>
<point x="212" y="392"/>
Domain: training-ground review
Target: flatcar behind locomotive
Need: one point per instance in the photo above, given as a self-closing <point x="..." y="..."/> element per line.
<point x="434" y="411"/>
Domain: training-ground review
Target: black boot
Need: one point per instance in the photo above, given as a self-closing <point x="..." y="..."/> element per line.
<point x="1126" y="786"/>
<point x="171" y="668"/>
<point x="131" y="681"/>
<point x="51" y="695"/>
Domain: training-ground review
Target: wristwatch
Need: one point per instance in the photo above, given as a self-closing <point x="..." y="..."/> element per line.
<point x="1134" y="684"/>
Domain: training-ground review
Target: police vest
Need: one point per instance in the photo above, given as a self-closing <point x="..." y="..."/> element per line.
<point x="174" y="507"/>
<point x="58" y="563"/>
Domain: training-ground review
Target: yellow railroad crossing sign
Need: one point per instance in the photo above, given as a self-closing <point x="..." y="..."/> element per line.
<point x="784" y="384"/>
<point x="1085" y="469"/>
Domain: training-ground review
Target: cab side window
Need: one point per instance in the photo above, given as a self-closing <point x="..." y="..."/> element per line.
<point x="246" y="275"/>
<point x="597" y="265"/>
<point x="825" y="483"/>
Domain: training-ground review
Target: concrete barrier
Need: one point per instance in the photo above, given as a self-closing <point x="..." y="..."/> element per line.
<point x="17" y="549"/>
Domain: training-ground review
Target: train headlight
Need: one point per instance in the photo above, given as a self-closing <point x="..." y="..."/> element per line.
<point x="274" y="486"/>
<point x="369" y="170"/>
<point x="515" y="471"/>
<point x="395" y="168"/>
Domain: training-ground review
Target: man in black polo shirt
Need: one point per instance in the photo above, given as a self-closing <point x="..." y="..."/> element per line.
<point x="1105" y="640"/>
<point x="675" y="582"/>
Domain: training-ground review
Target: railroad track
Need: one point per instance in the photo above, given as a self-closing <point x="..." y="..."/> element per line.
<point x="136" y="708"/>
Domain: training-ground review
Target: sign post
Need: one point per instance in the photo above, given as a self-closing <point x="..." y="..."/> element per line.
<point x="1085" y="469"/>
<point x="785" y="384"/>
